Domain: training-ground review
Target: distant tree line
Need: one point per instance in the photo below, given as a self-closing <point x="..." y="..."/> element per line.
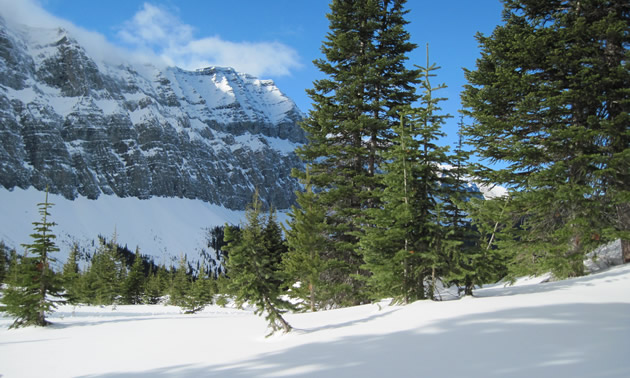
<point x="110" y="275"/>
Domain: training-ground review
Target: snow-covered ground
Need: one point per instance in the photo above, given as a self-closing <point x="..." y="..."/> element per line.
<point x="573" y="328"/>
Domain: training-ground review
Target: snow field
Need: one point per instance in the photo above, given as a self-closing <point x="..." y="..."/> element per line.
<point x="162" y="227"/>
<point x="572" y="328"/>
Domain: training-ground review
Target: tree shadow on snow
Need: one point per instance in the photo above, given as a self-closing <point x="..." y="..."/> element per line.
<point x="567" y="340"/>
<point x="612" y="275"/>
<point x="55" y="324"/>
<point x="348" y="323"/>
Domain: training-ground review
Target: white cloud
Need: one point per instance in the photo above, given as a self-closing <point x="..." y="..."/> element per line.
<point x="262" y="58"/>
<point x="27" y="12"/>
<point x="153" y="26"/>
<point x="156" y="29"/>
<point x="30" y="13"/>
<point x="158" y="36"/>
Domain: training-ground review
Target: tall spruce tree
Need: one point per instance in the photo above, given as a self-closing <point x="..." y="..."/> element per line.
<point x="254" y="270"/>
<point x="101" y="283"/>
<point x="275" y="246"/>
<point x="70" y="275"/>
<point x="180" y="287"/>
<point x="403" y="244"/>
<point x="389" y="243"/>
<point x="30" y="295"/>
<point x="354" y="110"/>
<point x="306" y="240"/>
<point x="200" y="294"/>
<point x="134" y="284"/>
<point x="468" y="262"/>
<point x="152" y="290"/>
<point x="550" y="99"/>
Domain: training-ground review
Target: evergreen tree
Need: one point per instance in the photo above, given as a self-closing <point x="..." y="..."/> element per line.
<point x="306" y="240"/>
<point x="200" y="294"/>
<point x="70" y="275"/>
<point x="103" y="279"/>
<point x="4" y="262"/>
<point x="181" y="284"/>
<point x="353" y="112"/>
<point x="254" y="270"/>
<point x="153" y="291"/>
<point x="12" y="272"/>
<point x="550" y="99"/>
<point x="467" y="264"/>
<point x="497" y="224"/>
<point x="29" y="296"/>
<point x="403" y="246"/>
<point x="164" y="278"/>
<point x="133" y="285"/>
<point x="157" y="284"/>
<point x="275" y="247"/>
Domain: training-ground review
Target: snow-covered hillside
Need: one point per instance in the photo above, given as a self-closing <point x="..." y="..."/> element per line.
<point x="573" y="328"/>
<point x="162" y="227"/>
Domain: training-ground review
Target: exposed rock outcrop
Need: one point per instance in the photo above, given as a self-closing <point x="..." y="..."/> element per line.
<point x="85" y="127"/>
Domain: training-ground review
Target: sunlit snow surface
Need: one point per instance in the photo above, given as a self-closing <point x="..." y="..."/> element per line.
<point x="573" y="328"/>
<point x="161" y="227"/>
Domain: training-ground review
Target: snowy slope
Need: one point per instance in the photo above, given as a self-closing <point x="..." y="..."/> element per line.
<point x="162" y="227"/>
<point x="574" y="328"/>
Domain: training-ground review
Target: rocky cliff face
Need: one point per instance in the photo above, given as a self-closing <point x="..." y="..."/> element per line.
<point x="85" y="127"/>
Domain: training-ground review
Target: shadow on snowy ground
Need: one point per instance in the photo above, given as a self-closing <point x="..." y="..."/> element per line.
<point x="506" y="290"/>
<point x="108" y="320"/>
<point x="349" y="322"/>
<point x="567" y="340"/>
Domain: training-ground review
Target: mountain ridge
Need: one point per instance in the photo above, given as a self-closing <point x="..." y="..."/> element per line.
<point x="85" y="127"/>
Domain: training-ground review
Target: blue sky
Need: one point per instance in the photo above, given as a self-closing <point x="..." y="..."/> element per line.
<point x="271" y="39"/>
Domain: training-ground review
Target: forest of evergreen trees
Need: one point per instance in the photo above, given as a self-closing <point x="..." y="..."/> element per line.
<point x="387" y="212"/>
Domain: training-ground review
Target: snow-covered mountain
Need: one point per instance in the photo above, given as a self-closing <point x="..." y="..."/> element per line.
<point x="157" y="154"/>
<point x="86" y="127"/>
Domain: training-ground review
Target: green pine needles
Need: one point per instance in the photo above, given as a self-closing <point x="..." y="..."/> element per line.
<point x="550" y="101"/>
<point x="133" y="284"/>
<point x="381" y="215"/>
<point x="411" y="238"/>
<point x="306" y="238"/>
<point x="253" y="265"/>
<point x="354" y="108"/>
<point x="33" y="291"/>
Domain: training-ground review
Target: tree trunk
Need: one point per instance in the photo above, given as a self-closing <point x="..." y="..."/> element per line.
<point x="406" y="277"/>
<point x="625" y="250"/>
<point x="271" y="308"/>
<point x="432" y="283"/>
<point x="575" y="249"/>
<point x="623" y="215"/>
<point x="312" y="295"/>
